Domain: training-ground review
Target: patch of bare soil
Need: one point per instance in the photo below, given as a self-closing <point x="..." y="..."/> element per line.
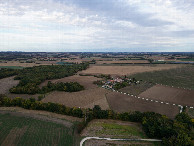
<point x="83" y="99"/>
<point x="170" y="94"/>
<point x="14" y="135"/>
<point x="25" y="112"/>
<point x="124" y="103"/>
<point x="6" y="84"/>
<point x="127" y="70"/>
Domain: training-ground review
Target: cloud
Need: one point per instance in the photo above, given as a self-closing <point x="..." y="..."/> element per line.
<point x="95" y="25"/>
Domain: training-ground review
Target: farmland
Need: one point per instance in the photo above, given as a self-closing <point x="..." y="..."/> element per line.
<point x="178" y="77"/>
<point x="169" y="94"/>
<point x="123" y="62"/>
<point x="24" y="130"/>
<point x="126" y="70"/>
<point x="87" y="98"/>
<point x="6" y="84"/>
<point x="124" y="103"/>
<point x="84" y="99"/>
<point x="136" y="89"/>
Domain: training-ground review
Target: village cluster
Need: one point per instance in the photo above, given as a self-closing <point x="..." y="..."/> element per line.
<point x="110" y="84"/>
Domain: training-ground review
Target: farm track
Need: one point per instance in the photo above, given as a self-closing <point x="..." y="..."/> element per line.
<point x="111" y="139"/>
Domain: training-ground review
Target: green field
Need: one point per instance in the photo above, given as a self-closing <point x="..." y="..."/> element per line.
<point x="186" y="59"/>
<point x="12" y="67"/>
<point x="180" y="77"/>
<point x="125" y="131"/>
<point x="25" y="131"/>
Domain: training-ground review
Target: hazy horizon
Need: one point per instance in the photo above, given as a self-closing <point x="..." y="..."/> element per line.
<point x="97" y="26"/>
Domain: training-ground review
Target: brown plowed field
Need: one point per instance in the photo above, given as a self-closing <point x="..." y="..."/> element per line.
<point x="84" y="99"/>
<point x="124" y="103"/>
<point x="127" y="70"/>
<point x="6" y="84"/>
<point x="170" y="94"/>
<point x="86" y="81"/>
<point x="122" y="61"/>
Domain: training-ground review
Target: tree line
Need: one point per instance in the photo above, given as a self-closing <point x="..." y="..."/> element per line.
<point x="172" y="132"/>
<point x="31" y="77"/>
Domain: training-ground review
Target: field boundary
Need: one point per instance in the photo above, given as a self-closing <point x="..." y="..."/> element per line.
<point x="151" y="100"/>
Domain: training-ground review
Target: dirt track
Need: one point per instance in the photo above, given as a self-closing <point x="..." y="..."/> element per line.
<point x="169" y="94"/>
<point x="124" y="103"/>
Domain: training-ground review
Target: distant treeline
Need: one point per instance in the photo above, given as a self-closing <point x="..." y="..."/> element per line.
<point x="172" y="132"/>
<point x="31" y="77"/>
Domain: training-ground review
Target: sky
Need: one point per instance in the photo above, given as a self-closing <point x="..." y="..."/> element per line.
<point x="97" y="25"/>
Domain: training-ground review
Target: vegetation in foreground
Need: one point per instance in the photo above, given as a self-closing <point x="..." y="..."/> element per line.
<point x="29" y="131"/>
<point x="173" y="132"/>
<point x="179" y="77"/>
<point x="116" y="129"/>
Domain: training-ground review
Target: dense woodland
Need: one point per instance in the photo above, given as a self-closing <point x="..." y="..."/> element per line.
<point x="31" y="77"/>
<point x="172" y="132"/>
<point x="6" y="72"/>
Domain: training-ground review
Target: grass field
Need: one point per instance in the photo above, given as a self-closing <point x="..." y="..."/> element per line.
<point x="114" y="129"/>
<point x="179" y="77"/>
<point x="21" y="131"/>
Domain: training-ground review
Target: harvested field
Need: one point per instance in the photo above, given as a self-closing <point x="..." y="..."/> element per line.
<point x="170" y="94"/>
<point x="85" y="98"/>
<point x="124" y="103"/>
<point x="6" y="84"/>
<point x="122" y="62"/>
<point x="136" y="89"/>
<point x="86" y="81"/>
<point x="127" y="70"/>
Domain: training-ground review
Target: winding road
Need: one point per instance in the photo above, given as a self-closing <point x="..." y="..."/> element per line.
<point x="87" y="138"/>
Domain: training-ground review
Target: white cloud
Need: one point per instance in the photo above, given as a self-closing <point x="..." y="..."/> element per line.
<point x="53" y="25"/>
